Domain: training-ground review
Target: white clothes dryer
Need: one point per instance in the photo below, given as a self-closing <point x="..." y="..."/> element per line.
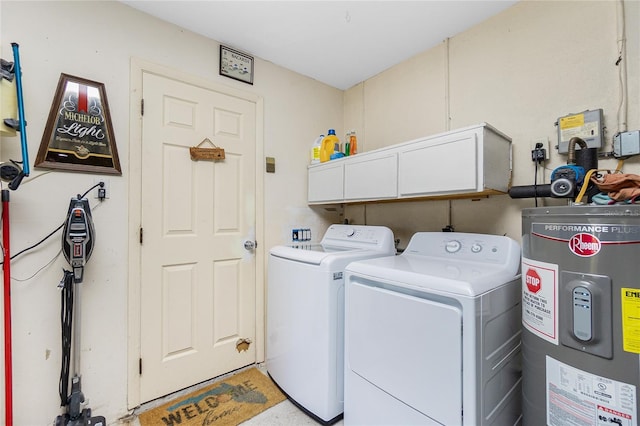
<point x="432" y="336"/>
<point x="305" y="315"/>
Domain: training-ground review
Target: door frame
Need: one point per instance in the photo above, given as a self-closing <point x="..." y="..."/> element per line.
<point x="137" y="68"/>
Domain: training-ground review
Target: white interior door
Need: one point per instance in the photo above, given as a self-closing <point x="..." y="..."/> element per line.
<point x="197" y="292"/>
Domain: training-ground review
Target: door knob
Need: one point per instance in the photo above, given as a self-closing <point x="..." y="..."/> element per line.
<point x="250" y="245"/>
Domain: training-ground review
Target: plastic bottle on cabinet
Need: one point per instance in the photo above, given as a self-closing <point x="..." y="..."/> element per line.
<point x="315" y="150"/>
<point x="353" y="143"/>
<point x="347" y="144"/>
<point x="328" y="145"/>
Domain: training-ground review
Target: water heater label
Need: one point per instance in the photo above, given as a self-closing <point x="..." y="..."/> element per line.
<point x="577" y="397"/>
<point x="540" y="299"/>
<point x="631" y="319"/>
<point x="586" y="239"/>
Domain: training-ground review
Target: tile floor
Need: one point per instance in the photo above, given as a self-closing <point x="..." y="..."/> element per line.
<point x="283" y="414"/>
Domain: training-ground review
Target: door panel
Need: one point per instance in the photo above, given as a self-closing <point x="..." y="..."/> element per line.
<point x="198" y="281"/>
<point x="408" y="346"/>
<point x="178" y="290"/>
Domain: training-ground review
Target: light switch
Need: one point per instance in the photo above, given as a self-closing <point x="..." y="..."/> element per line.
<point x="271" y="165"/>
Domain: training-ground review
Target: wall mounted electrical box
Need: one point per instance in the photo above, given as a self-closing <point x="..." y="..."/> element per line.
<point x="271" y="165"/>
<point x="626" y="144"/>
<point x="587" y="125"/>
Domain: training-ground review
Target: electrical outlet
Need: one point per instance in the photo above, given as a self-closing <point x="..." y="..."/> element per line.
<point x="545" y="145"/>
<point x="303" y="234"/>
<point x="106" y="188"/>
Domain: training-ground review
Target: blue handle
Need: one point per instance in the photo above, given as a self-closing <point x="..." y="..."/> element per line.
<point x="23" y="124"/>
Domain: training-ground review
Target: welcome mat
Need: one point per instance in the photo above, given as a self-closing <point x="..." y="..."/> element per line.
<point x="225" y="403"/>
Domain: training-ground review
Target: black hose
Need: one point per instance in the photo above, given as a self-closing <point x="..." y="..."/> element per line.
<point x="66" y="322"/>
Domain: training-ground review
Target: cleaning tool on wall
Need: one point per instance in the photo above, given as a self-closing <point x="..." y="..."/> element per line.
<point x="8" y="365"/>
<point x="77" y="243"/>
<point x="12" y="171"/>
<point x="78" y="239"/>
<point x="10" y="76"/>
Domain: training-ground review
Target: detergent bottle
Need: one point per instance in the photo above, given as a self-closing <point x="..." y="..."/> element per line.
<point x="315" y="150"/>
<point x="328" y="145"/>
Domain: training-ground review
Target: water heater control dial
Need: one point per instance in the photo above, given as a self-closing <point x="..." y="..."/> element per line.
<point x="452" y="246"/>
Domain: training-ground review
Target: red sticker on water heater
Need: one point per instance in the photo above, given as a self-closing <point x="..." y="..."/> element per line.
<point x="584" y="245"/>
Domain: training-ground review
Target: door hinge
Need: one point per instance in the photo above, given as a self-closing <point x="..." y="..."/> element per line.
<point x="141" y="106"/>
<point x="140" y="366"/>
<point x="141" y="235"/>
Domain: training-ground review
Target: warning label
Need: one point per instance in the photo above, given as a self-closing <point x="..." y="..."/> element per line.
<point x="579" y="398"/>
<point x="631" y="319"/>
<point x="540" y="299"/>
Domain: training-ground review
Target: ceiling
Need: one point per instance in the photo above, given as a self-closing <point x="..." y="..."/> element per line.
<point x="340" y="43"/>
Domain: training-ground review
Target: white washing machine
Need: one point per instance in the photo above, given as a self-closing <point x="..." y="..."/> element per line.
<point x="305" y="314"/>
<point x="432" y="336"/>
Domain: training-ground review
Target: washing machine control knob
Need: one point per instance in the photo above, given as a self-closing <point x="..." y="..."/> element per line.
<point x="452" y="246"/>
<point x="476" y="248"/>
<point x="350" y="232"/>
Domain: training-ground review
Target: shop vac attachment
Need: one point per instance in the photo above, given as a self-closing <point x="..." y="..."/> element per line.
<point x="566" y="180"/>
<point x="77" y="245"/>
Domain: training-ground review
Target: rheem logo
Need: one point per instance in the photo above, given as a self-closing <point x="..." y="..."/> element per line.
<point x="533" y="281"/>
<point x="584" y="245"/>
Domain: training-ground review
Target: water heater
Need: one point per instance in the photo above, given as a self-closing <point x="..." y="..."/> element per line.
<point x="581" y="315"/>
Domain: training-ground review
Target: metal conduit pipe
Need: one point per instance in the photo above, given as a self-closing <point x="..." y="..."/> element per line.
<point x="572" y="148"/>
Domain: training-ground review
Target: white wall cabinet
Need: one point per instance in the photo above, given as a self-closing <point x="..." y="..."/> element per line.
<point x="469" y="162"/>
<point x="371" y="177"/>
<point x="326" y="182"/>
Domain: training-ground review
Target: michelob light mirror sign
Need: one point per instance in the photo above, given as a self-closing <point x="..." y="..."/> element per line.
<point x="79" y="134"/>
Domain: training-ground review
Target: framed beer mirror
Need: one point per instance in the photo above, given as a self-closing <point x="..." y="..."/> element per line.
<point x="79" y="135"/>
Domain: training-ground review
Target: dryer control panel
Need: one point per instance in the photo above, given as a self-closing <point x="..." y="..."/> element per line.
<point x="461" y="246"/>
<point x="359" y="236"/>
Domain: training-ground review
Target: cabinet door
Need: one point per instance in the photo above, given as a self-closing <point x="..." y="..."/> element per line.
<point x="371" y="177"/>
<point x="326" y="183"/>
<point x="446" y="165"/>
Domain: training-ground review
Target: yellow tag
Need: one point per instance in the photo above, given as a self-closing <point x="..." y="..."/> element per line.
<point x="572" y="121"/>
<point x="631" y="320"/>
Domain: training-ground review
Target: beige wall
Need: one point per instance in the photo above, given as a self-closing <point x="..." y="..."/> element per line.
<point x="97" y="40"/>
<point x="519" y="71"/>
